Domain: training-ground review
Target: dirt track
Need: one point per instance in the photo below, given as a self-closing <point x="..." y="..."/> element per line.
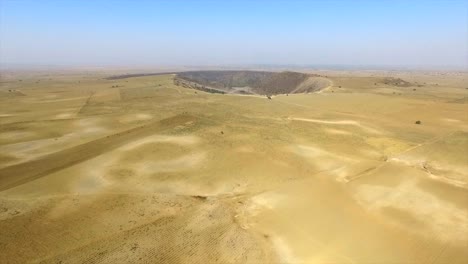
<point x="24" y="172"/>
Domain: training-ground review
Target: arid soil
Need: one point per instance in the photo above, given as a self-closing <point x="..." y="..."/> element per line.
<point x="140" y="170"/>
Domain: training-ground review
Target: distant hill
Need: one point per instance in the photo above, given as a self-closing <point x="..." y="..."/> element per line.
<point x="252" y="82"/>
<point x="396" y="82"/>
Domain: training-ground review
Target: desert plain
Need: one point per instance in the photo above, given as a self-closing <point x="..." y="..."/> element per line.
<point x="371" y="168"/>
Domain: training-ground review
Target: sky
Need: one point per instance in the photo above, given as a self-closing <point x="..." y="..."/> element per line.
<point x="416" y="33"/>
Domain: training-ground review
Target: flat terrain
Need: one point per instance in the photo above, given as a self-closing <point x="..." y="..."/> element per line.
<point x="139" y="169"/>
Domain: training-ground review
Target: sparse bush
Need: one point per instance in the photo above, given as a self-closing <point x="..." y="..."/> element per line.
<point x="417" y="122"/>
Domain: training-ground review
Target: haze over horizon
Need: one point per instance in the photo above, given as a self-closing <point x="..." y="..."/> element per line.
<point x="382" y="33"/>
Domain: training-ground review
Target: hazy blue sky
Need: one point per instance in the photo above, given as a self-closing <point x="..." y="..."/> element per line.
<point x="117" y="32"/>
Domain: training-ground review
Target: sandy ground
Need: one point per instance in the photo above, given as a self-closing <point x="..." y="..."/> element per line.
<point x="150" y="172"/>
